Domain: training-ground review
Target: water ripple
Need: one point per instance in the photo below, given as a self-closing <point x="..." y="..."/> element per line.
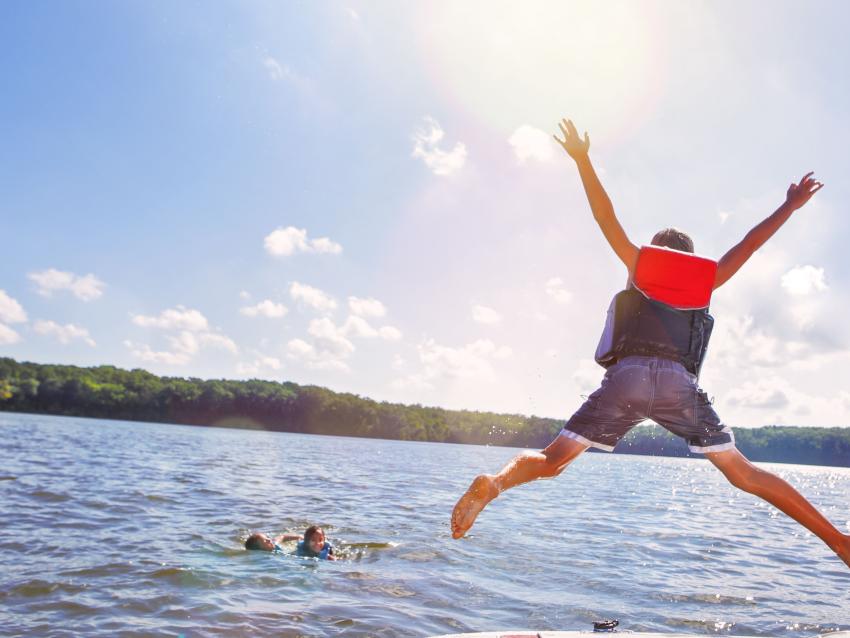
<point x="136" y="529"/>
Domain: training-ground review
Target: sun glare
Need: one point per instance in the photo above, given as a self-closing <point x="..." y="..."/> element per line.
<point x="510" y="64"/>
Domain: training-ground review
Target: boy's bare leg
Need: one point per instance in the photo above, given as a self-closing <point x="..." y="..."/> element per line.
<point x="746" y="476"/>
<point x="523" y="468"/>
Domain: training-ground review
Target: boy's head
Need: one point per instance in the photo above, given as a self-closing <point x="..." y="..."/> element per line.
<point x="675" y="239"/>
<point x="314" y="538"/>
<point x="259" y="541"/>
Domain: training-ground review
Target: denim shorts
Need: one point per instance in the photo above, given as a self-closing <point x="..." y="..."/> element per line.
<point x="639" y="388"/>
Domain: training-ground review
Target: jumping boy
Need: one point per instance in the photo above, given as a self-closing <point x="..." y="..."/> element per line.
<point x="652" y="346"/>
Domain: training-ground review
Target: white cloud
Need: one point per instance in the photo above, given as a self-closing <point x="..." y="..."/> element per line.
<point x="331" y="344"/>
<point x="244" y="295"/>
<point x="300" y="350"/>
<point x="184" y="342"/>
<point x="64" y="334"/>
<point x="191" y="333"/>
<point x="8" y="336"/>
<point x="179" y="318"/>
<point x="330" y="337"/>
<point x="366" y="307"/>
<point x="260" y="364"/>
<point x="266" y="308"/>
<point x="532" y="143"/>
<point x="10" y="310"/>
<point x="218" y="341"/>
<point x="555" y="289"/>
<point x="359" y="327"/>
<point x="735" y="335"/>
<point x="470" y="361"/>
<point x="312" y="297"/>
<point x="276" y="70"/>
<point x="284" y="242"/>
<point x="190" y="343"/>
<point x="418" y="381"/>
<point x="804" y="280"/>
<point x="723" y="215"/>
<point x="425" y="141"/>
<point x="775" y="399"/>
<point x="399" y="363"/>
<point x="86" y="288"/>
<point x="389" y="333"/>
<point x="485" y="315"/>
<point x="184" y="346"/>
<point x="325" y="245"/>
<point x="588" y="375"/>
<point x="763" y="394"/>
<point x="145" y="353"/>
<point x="804" y="316"/>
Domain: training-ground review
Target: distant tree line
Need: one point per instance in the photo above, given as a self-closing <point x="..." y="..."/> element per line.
<point x="137" y="395"/>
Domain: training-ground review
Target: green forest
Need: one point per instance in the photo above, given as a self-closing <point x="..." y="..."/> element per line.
<point x="137" y="395"/>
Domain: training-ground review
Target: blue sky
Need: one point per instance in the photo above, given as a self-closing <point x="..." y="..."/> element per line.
<point x="366" y="196"/>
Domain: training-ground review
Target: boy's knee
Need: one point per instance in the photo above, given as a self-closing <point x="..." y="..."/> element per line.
<point x="560" y="453"/>
<point x="554" y="464"/>
<point x="551" y="469"/>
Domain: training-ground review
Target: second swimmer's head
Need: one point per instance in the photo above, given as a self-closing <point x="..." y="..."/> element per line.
<point x="314" y="538"/>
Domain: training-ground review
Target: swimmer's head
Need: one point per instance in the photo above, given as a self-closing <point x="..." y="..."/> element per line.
<point x="259" y="541"/>
<point x="675" y="239"/>
<point x="314" y="538"/>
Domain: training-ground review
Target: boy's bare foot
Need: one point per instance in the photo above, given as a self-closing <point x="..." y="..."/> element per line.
<point x="482" y="491"/>
<point x="843" y="549"/>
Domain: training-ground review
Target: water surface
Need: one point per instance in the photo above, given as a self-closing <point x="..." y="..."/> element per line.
<point x="136" y="529"/>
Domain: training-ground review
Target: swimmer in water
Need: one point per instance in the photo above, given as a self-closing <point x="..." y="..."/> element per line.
<point x="259" y="541"/>
<point x="311" y="544"/>
<point x="653" y="352"/>
<point x="314" y="545"/>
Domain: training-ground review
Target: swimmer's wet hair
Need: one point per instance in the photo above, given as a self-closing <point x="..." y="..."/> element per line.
<point x="675" y="239"/>
<point x="253" y="541"/>
<point x="308" y="533"/>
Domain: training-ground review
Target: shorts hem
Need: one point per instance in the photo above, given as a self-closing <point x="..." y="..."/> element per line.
<point x="578" y="437"/>
<point x="720" y="447"/>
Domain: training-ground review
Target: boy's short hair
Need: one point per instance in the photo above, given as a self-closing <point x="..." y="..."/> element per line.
<point x="253" y="541"/>
<point x="675" y="239"/>
<point x="308" y="533"/>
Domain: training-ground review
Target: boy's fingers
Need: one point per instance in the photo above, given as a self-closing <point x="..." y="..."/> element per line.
<point x="806" y="176"/>
<point x="563" y="130"/>
<point x="815" y="190"/>
<point x="557" y="139"/>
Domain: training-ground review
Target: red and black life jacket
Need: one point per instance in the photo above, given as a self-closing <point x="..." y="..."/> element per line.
<point x="664" y="312"/>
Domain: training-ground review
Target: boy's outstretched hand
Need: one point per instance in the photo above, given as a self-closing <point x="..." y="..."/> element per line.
<point x="799" y="194"/>
<point x="572" y="143"/>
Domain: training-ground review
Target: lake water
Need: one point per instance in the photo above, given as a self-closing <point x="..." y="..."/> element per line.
<point x="111" y="528"/>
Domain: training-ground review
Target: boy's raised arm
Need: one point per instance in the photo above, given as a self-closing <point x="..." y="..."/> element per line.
<point x="600" y="204"/>
<point x="798" y="195"/>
